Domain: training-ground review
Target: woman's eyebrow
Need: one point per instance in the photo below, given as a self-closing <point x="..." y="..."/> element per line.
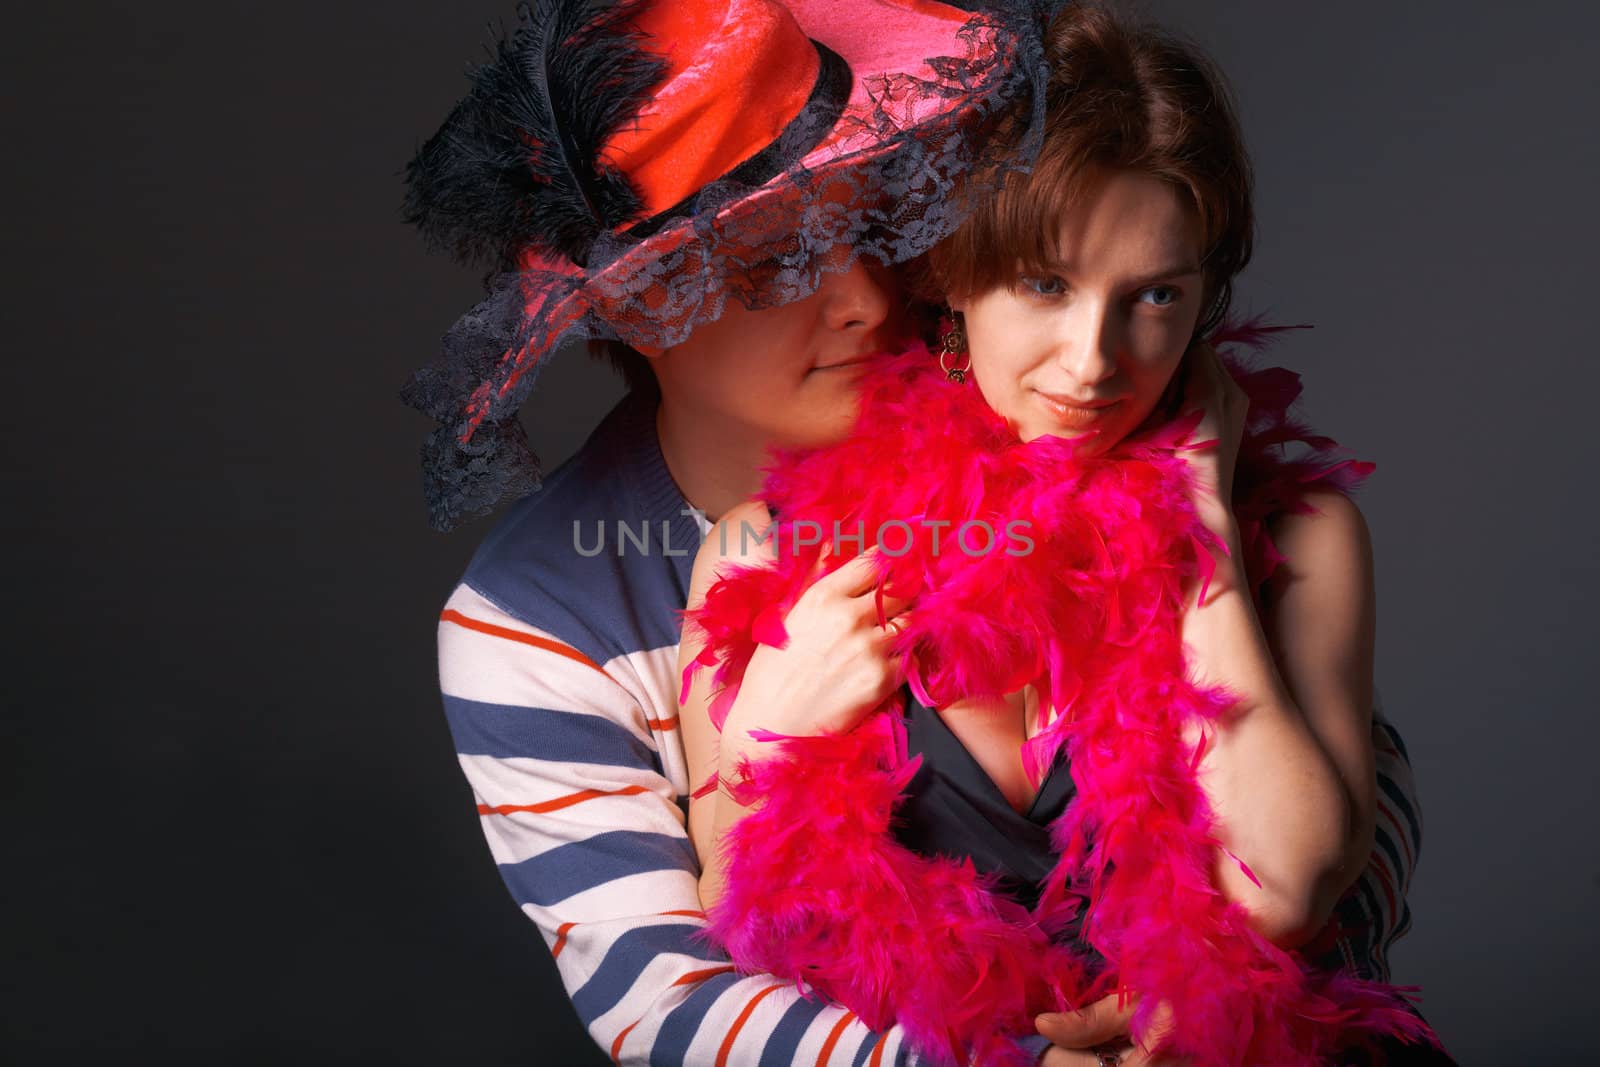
<point x="1177" y="270"/>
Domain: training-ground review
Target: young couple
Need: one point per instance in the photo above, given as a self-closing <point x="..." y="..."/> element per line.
<point x="739" y="200"/>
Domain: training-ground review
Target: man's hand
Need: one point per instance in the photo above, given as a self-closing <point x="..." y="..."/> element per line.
<point x="1101" y="1026"/>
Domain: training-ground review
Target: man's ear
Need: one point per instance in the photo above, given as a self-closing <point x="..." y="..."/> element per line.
<point x="957" y="302"/>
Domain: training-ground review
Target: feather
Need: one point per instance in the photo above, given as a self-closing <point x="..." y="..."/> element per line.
<point x="818" y="891"/>
<point x="517" y="163"/>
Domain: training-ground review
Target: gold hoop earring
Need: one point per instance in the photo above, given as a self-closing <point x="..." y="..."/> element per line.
<point x="953" y="345"/>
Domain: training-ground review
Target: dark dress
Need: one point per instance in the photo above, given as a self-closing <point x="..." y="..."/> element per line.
<point x="953" y="808"/>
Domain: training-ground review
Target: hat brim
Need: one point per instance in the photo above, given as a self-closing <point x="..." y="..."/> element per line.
<point x="929" y="83"/>
<point x="654" y="292"/>
<point x="897" y="51"/>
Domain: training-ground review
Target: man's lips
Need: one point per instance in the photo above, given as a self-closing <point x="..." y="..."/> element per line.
<point x="851" y="362"/>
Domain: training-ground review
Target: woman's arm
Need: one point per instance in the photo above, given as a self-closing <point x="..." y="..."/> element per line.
<point x="723" y="548"/>
<point x="1290" y="785"/>
<point x="1289" y="773"/>
<point x="1319" y="613"/>
<point x="834" y="668"/>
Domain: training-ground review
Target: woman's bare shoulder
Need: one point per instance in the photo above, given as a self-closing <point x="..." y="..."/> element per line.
<point x="1334" y="530"/>
<point x="739" y="537"/>
<point x="1327" y="568"/>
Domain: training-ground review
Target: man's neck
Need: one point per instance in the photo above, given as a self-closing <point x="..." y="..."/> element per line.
<point x="714" y="465"/>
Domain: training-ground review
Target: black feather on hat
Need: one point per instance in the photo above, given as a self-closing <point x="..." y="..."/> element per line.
<point x="586" y="171"/>
<point x="517" y="162"/>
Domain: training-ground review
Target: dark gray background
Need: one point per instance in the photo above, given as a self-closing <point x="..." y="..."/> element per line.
<point x="238" y="833"/>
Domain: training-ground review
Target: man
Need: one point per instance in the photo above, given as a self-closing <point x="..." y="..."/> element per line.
<point x="558" y="648"/>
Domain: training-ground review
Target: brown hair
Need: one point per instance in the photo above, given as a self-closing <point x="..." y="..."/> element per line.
<point x="1122" y="96"/>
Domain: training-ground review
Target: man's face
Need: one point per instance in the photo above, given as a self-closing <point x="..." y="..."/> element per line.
<point x="784" y="376"/>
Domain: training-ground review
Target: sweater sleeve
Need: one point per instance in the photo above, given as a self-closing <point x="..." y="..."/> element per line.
<point x="571" y="777"/>
<point x="566" y="767"/>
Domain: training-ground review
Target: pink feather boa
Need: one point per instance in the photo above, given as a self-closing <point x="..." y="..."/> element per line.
<point x="817" y="889"/>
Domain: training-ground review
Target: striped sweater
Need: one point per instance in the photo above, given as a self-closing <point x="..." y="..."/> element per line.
<point x="557" y="662"/>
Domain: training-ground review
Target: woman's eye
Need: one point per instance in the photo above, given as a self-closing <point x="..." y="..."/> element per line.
<point x="1160" y="296"/>
<point x="1049" y="285"/>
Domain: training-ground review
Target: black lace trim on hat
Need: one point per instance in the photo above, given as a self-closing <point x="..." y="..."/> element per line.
<point x="900" y="186"/>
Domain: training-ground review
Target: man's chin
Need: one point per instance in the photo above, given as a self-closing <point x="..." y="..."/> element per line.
<point x="819" y="432"/>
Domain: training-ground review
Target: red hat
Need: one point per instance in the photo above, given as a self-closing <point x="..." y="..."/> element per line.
<point x="627" y="166"/>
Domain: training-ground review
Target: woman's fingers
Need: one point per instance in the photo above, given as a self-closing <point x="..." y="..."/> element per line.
<point x="1202" y="387"/>
<point x="895" y="625"/>
<point x="1212" y="386"/>
<point x="854" y="577"/>
<point x="858" y="577"/>
<point x="1097" y="1023"/>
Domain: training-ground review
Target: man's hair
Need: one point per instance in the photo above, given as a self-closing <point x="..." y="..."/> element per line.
<point x="1122" y="96"/>
<point x="634" y="367"/>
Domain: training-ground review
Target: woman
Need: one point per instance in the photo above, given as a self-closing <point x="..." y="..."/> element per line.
<point x="1082" y="293"/>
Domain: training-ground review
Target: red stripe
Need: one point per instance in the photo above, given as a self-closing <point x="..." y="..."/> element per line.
<point x="451" y="615"/>
<point x="700" y="976"/>
<point x="1400" y="832"/>
<point x="562" y="930"/>
<point x="833" y="1038"/>
<point x="558" y="803"/>
<point x="565" y="928"/>
<point x="1386" y="884"/>
<point x="733" y="1031"/>
<point x="616" y="1046"/>
<point x="662" y="724"/>
<point x="877" y="1051"/>
<point x="561" y="939"/>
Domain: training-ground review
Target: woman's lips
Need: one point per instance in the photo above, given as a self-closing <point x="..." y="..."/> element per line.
<point x="1073" y="415"/>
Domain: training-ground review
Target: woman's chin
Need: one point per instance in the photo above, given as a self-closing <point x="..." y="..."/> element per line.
<point x="1088" y="442"/>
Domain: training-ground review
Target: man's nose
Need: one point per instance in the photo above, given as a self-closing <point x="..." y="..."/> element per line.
<point x="858" y="299"/>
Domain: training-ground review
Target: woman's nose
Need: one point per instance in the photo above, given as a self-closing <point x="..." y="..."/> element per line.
<point x="1087" y="348"/>
<point x="857" y="299"/>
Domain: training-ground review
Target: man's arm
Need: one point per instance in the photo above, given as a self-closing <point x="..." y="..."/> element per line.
<point x="588" y="834"/>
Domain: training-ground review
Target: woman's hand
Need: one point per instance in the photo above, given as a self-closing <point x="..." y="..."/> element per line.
<point x="1208" y="387"/>
<point x="836" y="666"/>
<point x="1102" y="1026"/>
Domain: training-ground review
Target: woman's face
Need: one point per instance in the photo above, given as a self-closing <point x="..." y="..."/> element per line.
<point x="1090" y="344"/>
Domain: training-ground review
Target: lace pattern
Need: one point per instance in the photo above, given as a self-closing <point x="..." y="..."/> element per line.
<point x="897" y="189"/>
